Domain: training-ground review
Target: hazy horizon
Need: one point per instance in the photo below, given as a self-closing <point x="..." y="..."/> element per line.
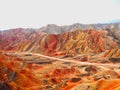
<point x="38" y="13"/>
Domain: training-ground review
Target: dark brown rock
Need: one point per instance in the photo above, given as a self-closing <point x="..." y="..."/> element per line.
<point x="75" y="79"/>
<point x="4" y="86"/>
<point x="114" y="60"/>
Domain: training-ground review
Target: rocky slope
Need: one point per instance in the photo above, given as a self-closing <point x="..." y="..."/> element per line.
<point x="9" y="39"/>
<point x="69" y="43"/>
<point x="90" y="59"/>
<point x="16" y="72"/>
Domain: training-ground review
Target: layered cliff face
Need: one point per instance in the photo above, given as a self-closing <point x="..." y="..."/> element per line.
<point x="10" y="39"/>
<point x="89" y="41"/>
<point x="76" y="42"/>
<point x="112" y="53"/>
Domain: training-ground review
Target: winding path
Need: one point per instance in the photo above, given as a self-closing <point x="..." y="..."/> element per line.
<point x="74" y="61"/>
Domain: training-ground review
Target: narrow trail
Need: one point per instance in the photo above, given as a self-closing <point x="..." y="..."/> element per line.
<point x="73" y="61"/>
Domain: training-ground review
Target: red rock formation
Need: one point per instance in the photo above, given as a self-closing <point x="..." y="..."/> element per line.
<point x="112" y="53"/>
<point x="109" y="84"/>
<point x="69" y="43"/>
<point x="63" y="72"/>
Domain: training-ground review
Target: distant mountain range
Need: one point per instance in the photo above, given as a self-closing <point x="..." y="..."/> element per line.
<point x="53" y="39"/>
<point x="54" y="29"/>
